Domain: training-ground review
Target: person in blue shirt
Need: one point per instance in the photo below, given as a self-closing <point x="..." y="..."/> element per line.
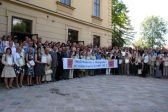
<point x="98" y="57"/>
<point x="30" y="45"/>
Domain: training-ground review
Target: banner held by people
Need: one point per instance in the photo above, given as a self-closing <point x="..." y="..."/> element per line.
<point x="69" y="63"/>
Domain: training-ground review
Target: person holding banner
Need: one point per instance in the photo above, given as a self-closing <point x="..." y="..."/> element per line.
<point x="71" y="70"/>
<point x="76" y="56"/>
<point x="87" y="57"/>
<point x="165" y="65"/>
<point x="114" y="70"/>
<point x="120" y="64"/>
<point x="108" y="69"/>
<point x="92" y="57"/>
<point x="83" y="70"/>
<point x="39" y="66"/>
<point x="98" y="57"/>
<point x="19" y="66"/>
<point x="66" y="54"/>
<point x="8" y="71"/>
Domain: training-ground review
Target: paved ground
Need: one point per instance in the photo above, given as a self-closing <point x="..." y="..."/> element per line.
<point x="90" y="94"/>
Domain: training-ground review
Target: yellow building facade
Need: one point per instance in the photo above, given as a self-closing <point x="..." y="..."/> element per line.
<point x="58" y="20"/>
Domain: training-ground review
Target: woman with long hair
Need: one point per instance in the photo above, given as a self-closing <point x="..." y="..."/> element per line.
<point x="39" y="66"/>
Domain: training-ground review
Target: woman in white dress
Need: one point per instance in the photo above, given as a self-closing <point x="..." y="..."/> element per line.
<point x="47" y="77"/>
<point x="8" y="70"/>
<point x="19" y="70"/>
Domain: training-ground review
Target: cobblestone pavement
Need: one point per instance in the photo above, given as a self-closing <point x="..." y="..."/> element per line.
<point x="90" y="94"/>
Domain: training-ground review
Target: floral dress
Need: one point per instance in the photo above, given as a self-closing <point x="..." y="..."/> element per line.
<point x="18" y="70"/>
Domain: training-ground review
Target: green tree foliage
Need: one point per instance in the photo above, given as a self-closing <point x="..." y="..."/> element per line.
<point x="153" y="29"/>
<point x="20" y="27"/>
<point x="140" y="42"/>
<point x="121" y="27"/>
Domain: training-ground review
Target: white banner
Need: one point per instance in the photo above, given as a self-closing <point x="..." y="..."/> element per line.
<point x="69" y="63"/>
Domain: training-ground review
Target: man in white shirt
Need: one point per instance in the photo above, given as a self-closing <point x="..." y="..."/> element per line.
<point x="13" y="49"/>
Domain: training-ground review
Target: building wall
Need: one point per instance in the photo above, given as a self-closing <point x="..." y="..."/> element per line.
<point x="83" y="11"/>
<point x="50" y="26"/>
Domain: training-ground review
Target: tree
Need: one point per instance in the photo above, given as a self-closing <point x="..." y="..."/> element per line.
<point x="121" y="27"/>
<point x="20" y="27"/>
<point x="140" y="42"/>
<point x="153" y="29"/>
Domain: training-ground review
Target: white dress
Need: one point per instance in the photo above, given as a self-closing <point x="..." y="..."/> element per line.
<point x="8" y="71"/>
<point x="47" y="77"/>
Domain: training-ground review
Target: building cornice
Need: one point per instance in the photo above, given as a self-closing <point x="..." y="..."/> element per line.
<point x="59" y="14"/>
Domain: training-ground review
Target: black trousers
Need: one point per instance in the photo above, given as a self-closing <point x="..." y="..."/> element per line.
<point x="59" y="73"/>
<point x="66" y="74"/>
<point x="97" y="72"/>
<point x="76" y="73"/>
<point x="114" y="71"/>
<point x="145" y="70"/>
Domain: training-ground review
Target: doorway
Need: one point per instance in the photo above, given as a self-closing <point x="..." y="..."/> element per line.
<point x="21" y="36"/>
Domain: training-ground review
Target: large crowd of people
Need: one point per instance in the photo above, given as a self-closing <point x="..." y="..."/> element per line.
<point x="32" y="58"/>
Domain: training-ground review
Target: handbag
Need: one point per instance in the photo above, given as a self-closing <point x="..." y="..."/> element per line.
<point x="49" y="71"/>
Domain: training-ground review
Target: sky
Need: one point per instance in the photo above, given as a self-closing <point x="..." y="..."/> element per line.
<point x="140" y="9"/>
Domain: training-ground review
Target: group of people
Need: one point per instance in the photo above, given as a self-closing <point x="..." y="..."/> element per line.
<point x="45" y="61"/>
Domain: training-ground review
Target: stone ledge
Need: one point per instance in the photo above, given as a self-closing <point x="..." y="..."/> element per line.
<point x="63" y="8"/>
<point x="96" y="20"/>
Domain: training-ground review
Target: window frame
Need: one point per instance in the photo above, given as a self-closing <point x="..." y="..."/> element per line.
<point x="96" y="9"/>
<point x="97" y="37"/>
<point x="15" y="17"/>
<point x="76" y="31"/>
<point x="65" y="2"/>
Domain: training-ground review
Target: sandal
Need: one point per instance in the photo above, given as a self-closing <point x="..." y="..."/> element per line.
<point x="7" y="87"/>
<point x="11" y="87"/>
<point x="18" y="86"/>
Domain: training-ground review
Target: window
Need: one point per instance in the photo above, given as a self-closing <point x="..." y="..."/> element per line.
<point x="96" y="40"/>
<point x="72" y="35"/>
<point x="67" y="2"/>
<point x="21" y="25"/>
<point x="97" y="8"/>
